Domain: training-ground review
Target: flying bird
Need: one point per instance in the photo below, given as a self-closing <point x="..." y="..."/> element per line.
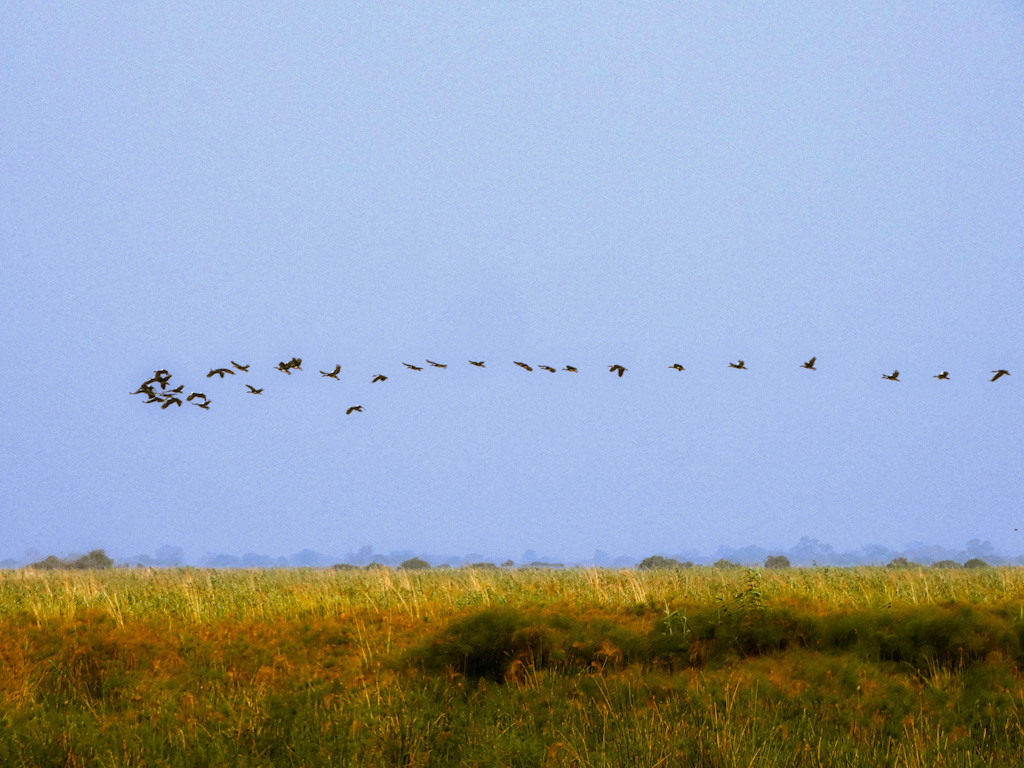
<point x="379" y="377"/>
<point x="546" y="368"/>
<point x="943" y="375"/>
<point x="809" y="365"/>
<point x="144" y="389"/>
<point x="477" y="364"/>
<point x="895" y="376"/>
<point x="999" y="373"/>
<point x="438" y="365"/>
<point x="154" y="398"/>
<point x="171" y="400"/>
<point x="253" y="390"/>
<point x="739" y="365"/>
<point x="412" y="367"/>
<point x="296" y="363"/>
<point x="177" y="390"/>
<point x="284" y="367"/>
<point x="333" y="374"/>
<point x="354" y="408"/>
<point x="524" y="366"/>
<point x="618" y="368"/>
<point x="241" y="367"/>
<point x="194" y="395"/>
<point x="205" y="405"/>
<point x="570" y="369"/>
<point x="220" y="372"/>
<point x="678" y="367"/>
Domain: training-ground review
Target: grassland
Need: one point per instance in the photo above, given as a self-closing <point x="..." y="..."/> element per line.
<point x="697" y="667"/>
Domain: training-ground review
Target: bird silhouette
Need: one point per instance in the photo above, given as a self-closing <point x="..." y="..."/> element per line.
<point x="412" y="367"/>
<point x="194" y="395"/>
<point x="177" y="390"/>
<point x="144" y="389"/>
<point x="524" y="366"/>
<point x="296" y="363"/>
<point x="222" y="372"/>
<point x="171" y="401"/>
<point x="739" y="365"/>
<point x="437" y="365"/>
<point x="253" y="390"/>
<point x="895" y="376"/>
<point x="570" y="369"/>
<point x="809" y="365"/>
<point x="284" y="367"/>
<point x="240" y="366"/>
<point x="619" y="368"/>
<point x="205" y="405"/>
<point x="154" y="398"/>
<point x="477" y="364"/>
<point x="943" y="375"/>
<point x="999" y="373"/>
<point x="678" y="367"/>
<point x="354" y="408"/>
<point x="333" y="374"/>
<point x="379" y="377"/>
<point x="546" y="368"/>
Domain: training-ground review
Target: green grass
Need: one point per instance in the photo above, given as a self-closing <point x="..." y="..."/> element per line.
<point x="703" y="667"/>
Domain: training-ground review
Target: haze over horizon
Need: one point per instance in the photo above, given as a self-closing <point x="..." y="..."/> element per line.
<point x="563" y="185"/>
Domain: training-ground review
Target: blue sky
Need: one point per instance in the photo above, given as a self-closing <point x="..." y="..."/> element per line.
<point x="583" y="184"/>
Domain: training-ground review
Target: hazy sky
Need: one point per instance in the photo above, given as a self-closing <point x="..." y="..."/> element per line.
<point x="555" y="183"/>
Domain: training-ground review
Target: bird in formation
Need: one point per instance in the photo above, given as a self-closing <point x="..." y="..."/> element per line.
<point x="171" y="401"/>
<point x="479" y="364"/>
<point x="895" y="376"/>
<point x="379" y="377"/>
<point x="619" y="368"/>
<point x="354" y="408"/>
<point x="999" y="373"/>
<point x="194" y="395"/>
<point x="222" y="372"/>
<point x="524" y="366"/>
<point x="253" y="390"/>
<point x="570" y="369"/>
<point x="809" y="365"/>
<point x="295" y="362"/>
<point x="678" y="367"/>
<point x="241" y="367"/>
<point x="546" y="368"/>
<point x="739" y="365"/>
<point x="333" y="374"/>
<point x="944" y="375"/>
<point x="412" y="367"/>
<point x="438" y="365"/>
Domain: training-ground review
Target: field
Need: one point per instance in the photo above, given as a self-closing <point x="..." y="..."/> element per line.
<point x="505" y="667"/>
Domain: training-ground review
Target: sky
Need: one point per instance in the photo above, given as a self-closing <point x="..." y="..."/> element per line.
<point x="585" y="184"/>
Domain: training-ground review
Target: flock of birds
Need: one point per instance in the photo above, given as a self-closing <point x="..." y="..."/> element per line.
<point x="157" y="388"/>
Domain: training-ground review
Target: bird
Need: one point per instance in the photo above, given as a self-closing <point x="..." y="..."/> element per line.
<point x="739" y="365"/>
<point x="547" y="368"/>
<point x="194" y="395"/>
<point x="241" y="367"/>
<point x="412" y="367"/>
<point x="943" y="375"/>
<point x="379" y="377"/>
<point x="154" y="398"/>
<point x="333" y="374"/>
<point x="524" y="366"/>
<point x="895" y="376"/>
<point x="144" y="389"/>
<point x="999" y="373"/>
<point x="479" y="364"/>
<point x="354" y="408"/>
<point x="170" y="401"/>
<point x="296" y="363"/>
<point x="618" y="368"/>
<point x="678" y="367"/>
<point x="220" y="372"/>
<point x="205" y="405"/>
<point x="570" y="369"/>
<point x="253" y="390"/>
<point x="809" y="365"/>
<point x="177" y="390"/>
<point x="437" y="365"/>
<point x="284" y="367"/>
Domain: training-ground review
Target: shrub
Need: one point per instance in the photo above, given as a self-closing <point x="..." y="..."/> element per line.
<point x="723" y="563"/>
<point x="901" y="562"/>
<point x="657" y="561"/>
<point x="415" y="564"/>
<point x="776" y="561"/>
<point x="976" y="562"/>
<point x="945" y="564"/>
